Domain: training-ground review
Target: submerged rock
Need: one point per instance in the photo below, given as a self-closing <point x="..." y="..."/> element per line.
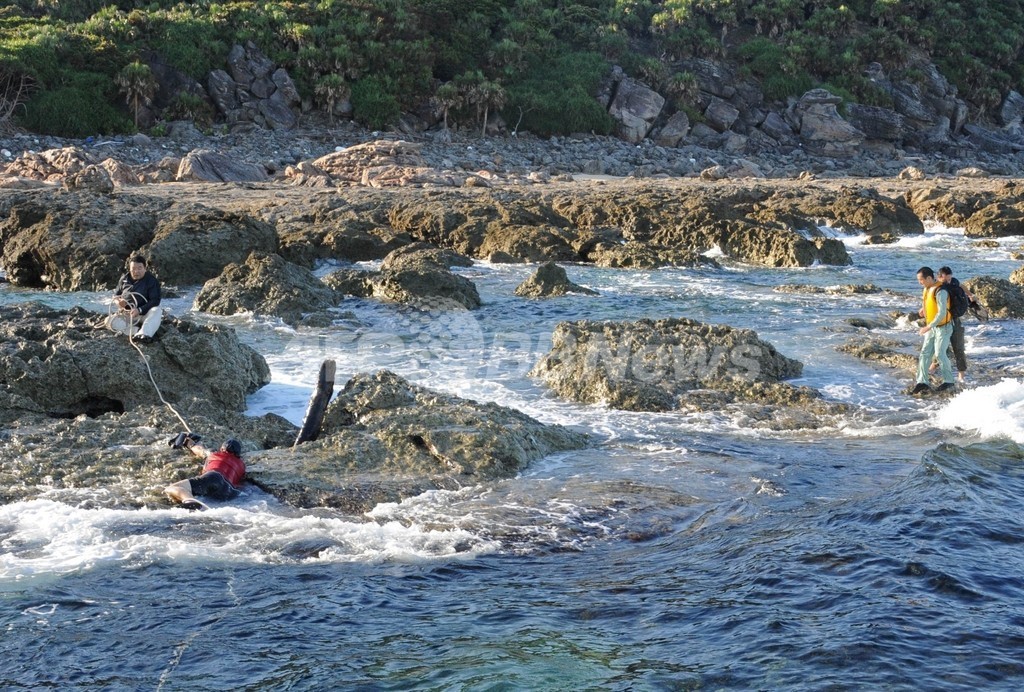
<point x="550" y="280"/>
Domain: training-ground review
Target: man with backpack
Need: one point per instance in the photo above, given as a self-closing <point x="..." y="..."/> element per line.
<point x="960" y="301"/>
<point x="936" y="332"/>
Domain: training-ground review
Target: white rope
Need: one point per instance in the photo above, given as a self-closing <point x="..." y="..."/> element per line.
<point x="132" y="303"/>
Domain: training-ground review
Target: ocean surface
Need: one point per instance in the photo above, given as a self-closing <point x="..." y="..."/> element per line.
<point x="681" y="551"/>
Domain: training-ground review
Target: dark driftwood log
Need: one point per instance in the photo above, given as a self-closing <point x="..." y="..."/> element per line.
<point x="317" y="404"/>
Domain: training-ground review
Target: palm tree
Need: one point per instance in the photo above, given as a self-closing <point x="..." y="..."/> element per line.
<point x="448" y="97"/>
<point x="138" y="84"/>
<point x="331" y="89"/>
<point x="489" y="95"/>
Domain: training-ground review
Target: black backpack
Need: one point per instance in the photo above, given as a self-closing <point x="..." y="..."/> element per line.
<point x="958" y="301"/>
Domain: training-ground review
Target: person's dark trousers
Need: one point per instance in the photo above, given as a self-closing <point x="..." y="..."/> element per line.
<point x="956" y="344"/>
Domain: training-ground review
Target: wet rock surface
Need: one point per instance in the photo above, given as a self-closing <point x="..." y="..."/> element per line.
<point x="550" y="280"/>
<point x="266" y="285"/>
<point x="79" y="410"/>
<point x="677" y="364"/>
<point x="384" y="439"/>
<point x="66" y="363"/>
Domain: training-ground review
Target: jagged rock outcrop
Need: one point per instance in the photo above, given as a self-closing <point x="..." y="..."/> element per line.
<point x="636" y="255"/>
<point x="253" y="90"/>
<point x="423" y="257"/>
<point x="208" y="166"/>
<point x="384" y="439"/>
<point x="669" y="364"/>
<point x="433" y="289"/>
<point x="550" y="280"/>
<point x="1001" y="297"/>
<point x="415" y="276"/>
<point x="266" y="285"/>
<point x="191" y="244"/>
<point x="64" y="363"/>
<point x="822" y="130"/>
<point x="997" y="220"/>
<point x="635" y="107"/>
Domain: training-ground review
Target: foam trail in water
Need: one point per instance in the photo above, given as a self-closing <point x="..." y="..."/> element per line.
<point x="43" y="536"/>
<point x="993" y="411"/>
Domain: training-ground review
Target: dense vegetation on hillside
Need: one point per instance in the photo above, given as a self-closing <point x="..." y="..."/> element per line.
<point x="78" y="67"/>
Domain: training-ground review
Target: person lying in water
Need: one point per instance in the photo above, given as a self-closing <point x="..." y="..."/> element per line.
<point x="221" y="477"/>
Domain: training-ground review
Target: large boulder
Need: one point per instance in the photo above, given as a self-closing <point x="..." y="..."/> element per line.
<point x="384" y="439"/>
<point x="1011" y="111"/>
<point x="440" y="289"/>
<point x="655" y="365"/>
<point x="266" y="285"/>
<point x="193" y="244"/>
<point x="674" y="130"/>
<point x="72" y="241"/>
<point x="352" y="164"/>
<point x="635" y="107"/>
<point x="205" y="165"/>
<point x="877" y="122"/>
<point x="550" y="280"/>
<point x="65" y="363"/>
<point x="1001" y="297"/>
<point x="822" y="130"/>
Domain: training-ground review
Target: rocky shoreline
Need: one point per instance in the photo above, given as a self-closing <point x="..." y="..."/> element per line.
<point x="523" y="157"/>
<point x="69" y="219"/>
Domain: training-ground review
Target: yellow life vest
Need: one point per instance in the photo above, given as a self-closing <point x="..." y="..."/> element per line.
<point x="931" y="305"/>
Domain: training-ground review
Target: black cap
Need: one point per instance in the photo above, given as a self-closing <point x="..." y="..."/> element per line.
<point x="232" y="445"/>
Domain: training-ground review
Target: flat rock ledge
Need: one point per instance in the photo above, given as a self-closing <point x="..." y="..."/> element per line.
<point x="679" y="364"/>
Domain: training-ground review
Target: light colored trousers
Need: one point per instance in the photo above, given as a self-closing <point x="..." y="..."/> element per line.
<point x="936" y="341"/>
<point x="150" y="323"/>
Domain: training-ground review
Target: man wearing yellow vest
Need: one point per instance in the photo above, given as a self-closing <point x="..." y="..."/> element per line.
<point x="937" y="330"/>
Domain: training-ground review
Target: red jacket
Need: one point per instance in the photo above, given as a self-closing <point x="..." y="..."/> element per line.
<point x="227" y="465"/>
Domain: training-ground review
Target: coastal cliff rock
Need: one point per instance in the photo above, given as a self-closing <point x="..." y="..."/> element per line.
<point x="66" y="363"/>
<point x="266" y="285"/>
<point x="384" y="439"/>
<point x="550" y="280"/>
<point x="670" y="364"/>
<point x="253" y="90"/>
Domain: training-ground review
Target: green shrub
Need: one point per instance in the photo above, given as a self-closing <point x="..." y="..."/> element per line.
<point x="73" y="111"/>
<point x="373" y="103"/>
<point x="779" y="87"/>
<point x="558" y="97"/>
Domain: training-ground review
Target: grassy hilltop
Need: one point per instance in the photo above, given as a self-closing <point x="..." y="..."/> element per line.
<point x="81" y="67"/>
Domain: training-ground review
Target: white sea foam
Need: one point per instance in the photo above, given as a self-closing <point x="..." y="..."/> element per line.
<point x="993" y="411"/>
<point x="44" y="536"/>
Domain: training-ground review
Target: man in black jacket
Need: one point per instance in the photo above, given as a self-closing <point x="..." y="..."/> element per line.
<point x="138" y="301"/>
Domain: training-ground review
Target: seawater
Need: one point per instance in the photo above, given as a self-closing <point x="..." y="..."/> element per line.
<point x="681" y="551"/>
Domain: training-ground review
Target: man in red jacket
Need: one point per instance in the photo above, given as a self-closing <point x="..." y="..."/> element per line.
<point x="222" y="474"/>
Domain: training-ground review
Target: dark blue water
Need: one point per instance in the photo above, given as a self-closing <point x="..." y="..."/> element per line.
<point x="682" y="551"/>
<point x="915" y="586"/>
